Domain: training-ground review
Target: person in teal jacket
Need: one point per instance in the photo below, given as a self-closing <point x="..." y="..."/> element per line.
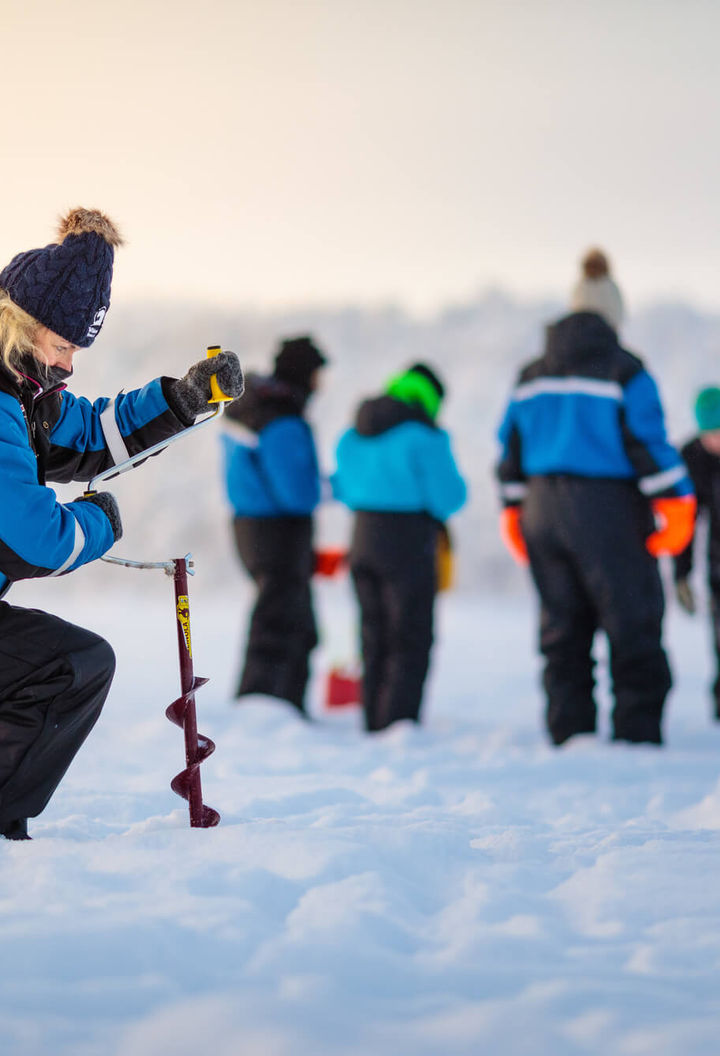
<point x="396" y="471"/>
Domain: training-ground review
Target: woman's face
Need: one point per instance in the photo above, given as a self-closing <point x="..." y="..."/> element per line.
<point x="53" y="350"/>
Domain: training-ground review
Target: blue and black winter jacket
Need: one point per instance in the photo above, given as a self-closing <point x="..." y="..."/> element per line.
<point x="396" y="460"/>
<point x="271" y="465"/>
<point x="587" y="408"/>
<point x="53" y="435"/>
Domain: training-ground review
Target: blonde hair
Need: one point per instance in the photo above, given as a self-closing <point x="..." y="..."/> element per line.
<point x="17" y="332"/>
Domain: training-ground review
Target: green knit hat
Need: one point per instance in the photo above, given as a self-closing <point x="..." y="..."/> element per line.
<point x="418" y="385"/>
<point x="707" y="409"/>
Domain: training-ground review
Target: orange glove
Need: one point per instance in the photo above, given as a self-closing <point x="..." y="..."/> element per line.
<point x="676" y="519"/>
<point x="511" y="533"/>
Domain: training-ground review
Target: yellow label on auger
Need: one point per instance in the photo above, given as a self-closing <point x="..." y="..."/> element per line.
<point x="183" y="615"/>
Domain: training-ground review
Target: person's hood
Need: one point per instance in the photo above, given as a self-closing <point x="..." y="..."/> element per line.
<point x="378" y="415"/>
<point x="265" y="398"/>
<point x="579" y="339"/>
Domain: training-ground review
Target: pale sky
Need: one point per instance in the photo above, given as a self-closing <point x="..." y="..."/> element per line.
<point x="275" y="152"/>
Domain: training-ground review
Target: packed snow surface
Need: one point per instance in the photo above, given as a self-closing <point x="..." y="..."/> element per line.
<point x="451" y="890"/>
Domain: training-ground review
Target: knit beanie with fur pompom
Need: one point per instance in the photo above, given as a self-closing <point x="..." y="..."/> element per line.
<point x="596" y="291"/>
<point x="66" y="285"/>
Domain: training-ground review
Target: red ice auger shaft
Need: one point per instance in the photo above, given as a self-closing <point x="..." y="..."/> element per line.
<point x="182" y="711"/>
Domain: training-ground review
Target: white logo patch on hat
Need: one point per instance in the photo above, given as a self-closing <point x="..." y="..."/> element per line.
<point x="94" y="328"/>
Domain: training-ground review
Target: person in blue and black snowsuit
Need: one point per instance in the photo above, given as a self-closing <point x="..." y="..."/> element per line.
<point x="396" y="470"/>
<point x="54" y="676"/>
<point x="585" y="471"/>
<point x="273" y="486"/>
<point x="702" y="457"/>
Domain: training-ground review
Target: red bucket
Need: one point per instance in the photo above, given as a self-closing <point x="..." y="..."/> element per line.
<point x="330" y="561"/>
<point x="342" y="689"/>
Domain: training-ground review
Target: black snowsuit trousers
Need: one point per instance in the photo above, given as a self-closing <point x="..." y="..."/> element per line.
<point x="714" y="595"/>
<point x="277" y="553"/>
<point x="54" y="678"/>
<point x="393" y="566"/>
<point x="586" y="543"/>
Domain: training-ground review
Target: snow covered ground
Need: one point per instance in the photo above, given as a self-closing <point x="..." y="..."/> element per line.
<point x="453" y="890"/>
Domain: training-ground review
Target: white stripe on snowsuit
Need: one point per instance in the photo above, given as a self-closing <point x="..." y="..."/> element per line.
<point x="659" y="481"/>
<point x="113" y="437"/>
<point x="609" y="390"/>
<point x="78" y="544"/>
<point x="513" y="491"/>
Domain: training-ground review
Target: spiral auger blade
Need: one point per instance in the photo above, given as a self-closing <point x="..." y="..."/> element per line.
<point x="183" y="714"/>
<point x="187" y="782"/>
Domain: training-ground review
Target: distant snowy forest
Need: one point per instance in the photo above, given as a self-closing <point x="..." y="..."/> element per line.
<point x="177" y="503"/>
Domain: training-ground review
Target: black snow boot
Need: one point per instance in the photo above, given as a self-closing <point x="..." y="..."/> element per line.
<point x="16" y="830"/>
<point x="641" y="729"/>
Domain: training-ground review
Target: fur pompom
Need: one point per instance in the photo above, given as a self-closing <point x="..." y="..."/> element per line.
<point x="78" y="221"/>
<point x="595" y="264"/>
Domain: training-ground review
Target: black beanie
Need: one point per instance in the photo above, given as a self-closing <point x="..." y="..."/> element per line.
<point x="297" y="359"/>
<point x="427" y="372"/>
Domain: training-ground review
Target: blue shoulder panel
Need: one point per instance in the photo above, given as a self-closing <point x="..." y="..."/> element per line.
<point x="409" y="468"/>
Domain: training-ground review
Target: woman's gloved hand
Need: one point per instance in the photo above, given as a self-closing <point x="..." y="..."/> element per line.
<point x="108" y="504"/>
<point x="190" y="395"/>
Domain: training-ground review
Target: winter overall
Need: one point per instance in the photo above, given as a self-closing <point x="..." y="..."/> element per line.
<point x="396" y="470"/>
<point x="277" y="553"/>
<point x="273" y="484"/>
<point x="590" y="576"/>
<point x="704" y="469"/>
<point x="584" y="451"/>
<point x="393" y="567"/>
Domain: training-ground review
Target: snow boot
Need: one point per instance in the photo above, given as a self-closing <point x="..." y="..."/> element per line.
<point x="16" y="830"/>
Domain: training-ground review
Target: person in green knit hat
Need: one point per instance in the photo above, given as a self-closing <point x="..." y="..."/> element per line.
<point x="702" y="457"/>
<point x="397" y="472"/>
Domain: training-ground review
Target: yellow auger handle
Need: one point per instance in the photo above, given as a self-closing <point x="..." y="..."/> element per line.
<point x="218" y="396"/>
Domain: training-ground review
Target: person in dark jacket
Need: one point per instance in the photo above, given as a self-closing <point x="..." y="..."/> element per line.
<point x="396" y="470"/>
<point x="702" y="457"/>
<point x="273" y="485"/>
<point x="54" y="676"/>
<point x="593" y="493"/>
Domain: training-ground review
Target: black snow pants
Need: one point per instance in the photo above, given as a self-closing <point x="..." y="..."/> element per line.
<point x="393" y="566"/>
<point x="54" y="678"/>
<point x="586" y="543"/>
<point x="277" y="553"/>
<point x="714" y="594"/>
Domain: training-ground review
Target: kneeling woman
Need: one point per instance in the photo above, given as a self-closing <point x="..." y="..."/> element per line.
<point x="54" y="677"/>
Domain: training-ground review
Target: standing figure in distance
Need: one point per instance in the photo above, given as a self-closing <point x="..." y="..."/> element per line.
<point x="54" y="676"/>
<point x="273" y="486"/>
<point x="396" y="470"/>
<point x="593" y="493"/>
<point x="702" y="457"/>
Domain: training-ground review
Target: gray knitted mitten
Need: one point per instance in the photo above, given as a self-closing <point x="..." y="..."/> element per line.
<point x="189" y="396"/>
<point x="109" y="506"/>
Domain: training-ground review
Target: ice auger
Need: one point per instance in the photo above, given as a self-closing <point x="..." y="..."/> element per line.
<point x="182" y="711"/>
